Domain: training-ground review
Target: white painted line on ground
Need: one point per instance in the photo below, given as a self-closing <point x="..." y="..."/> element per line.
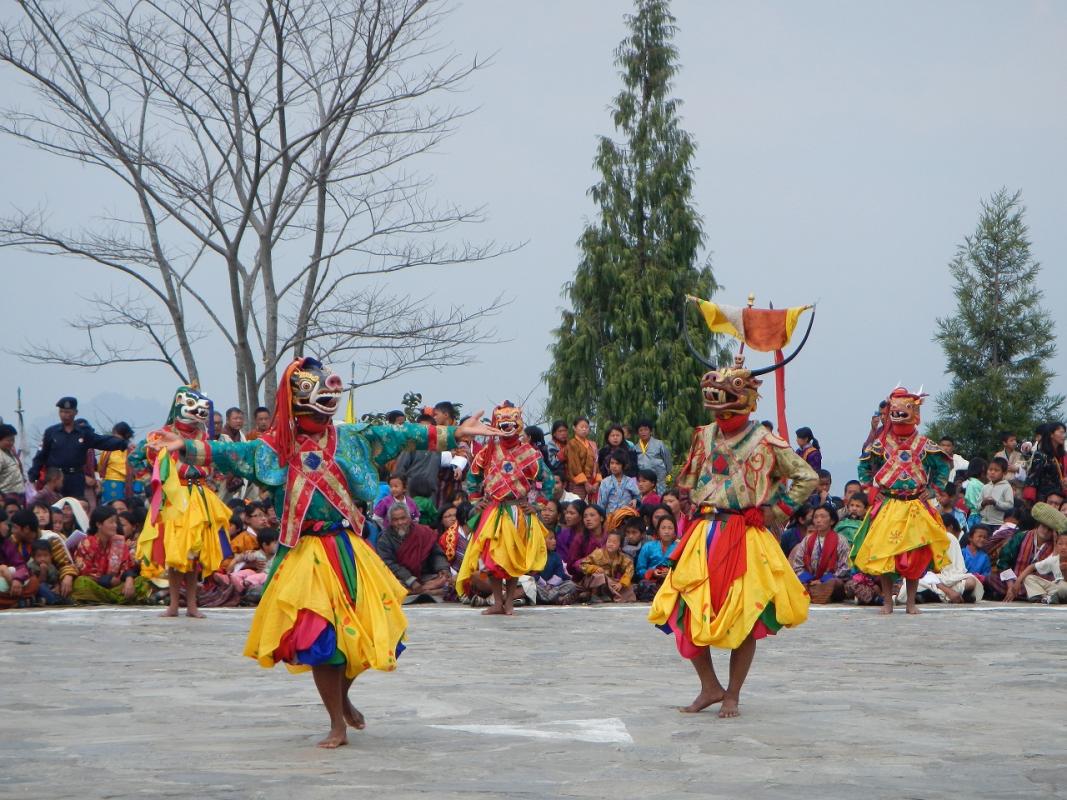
<point x="599" y="731"/>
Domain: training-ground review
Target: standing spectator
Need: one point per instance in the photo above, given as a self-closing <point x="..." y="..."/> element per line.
<point x="260" y="422"/>
<point x="959" y="463"/>
<point x="583" y="476"/>
<point x="615" y="441"/>
<point x="653" y="454"/>
<point x="972" y="490"/>
<point x="646" y="485"/>
<point x="12" y="481"/>
<point x="420" y="467"/>
<point x="66" y="447"/>
<point x="808" y="448"/>
<point x="997" y="497"/>
<point x="234" y="488"/>
<point x="116" y="477"/>
<point x="1009" y="451"/>
<point x="452" y="463"/>
<point x="1047" y="465"/>
<point x="556" y="447"/>
<point x="822" y="496"/>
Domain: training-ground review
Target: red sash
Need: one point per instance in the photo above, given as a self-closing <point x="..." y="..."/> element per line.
<point x="312" y="468"/>
<point x="415" y="547"/>
<point x="828" y="557"/>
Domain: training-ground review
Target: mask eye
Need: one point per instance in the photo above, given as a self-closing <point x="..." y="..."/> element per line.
<point x="739" y="383"/>
<point x="190" y="402"/>
<point x="306" y="386"/>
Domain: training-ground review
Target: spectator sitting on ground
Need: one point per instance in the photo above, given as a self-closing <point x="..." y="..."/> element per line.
<point x="47" y="575"/>
<point x="453" y="536"/>
<point x="250" y="569"/>
<point x="608" y="572"/>
<point x="797" y="528"/>
<point x="107" y="572"/>
<point x="953" y="584"/>
<point x="855" y="511"/>
<point x="852" y="488"/>
<point x="554" y="584"/>
<point x="1054" y="500"/>
<point x="1043" y="580"/>
<point x="633" y="536"/>
<point x="672" y="498"/>
<point x="653" y="560"/>
<point x="974" y="556"/>
<point x="1023" y="549"/>
<point x="16" y="551"/>
<point x="25" y="530"/>
<point x="820" y="561"/>
<point x="550" y="515"/>
<point x="571" y="525"/>
<point x="411" y="552"/>
<point x="588" y="539"/>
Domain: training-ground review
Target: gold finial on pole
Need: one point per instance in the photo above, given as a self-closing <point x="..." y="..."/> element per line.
<point x="751" y="299"/>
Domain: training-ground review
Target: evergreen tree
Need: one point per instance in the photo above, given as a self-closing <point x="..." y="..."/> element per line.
<point x="618" y="354"/>
<point x="1000" y="341"/>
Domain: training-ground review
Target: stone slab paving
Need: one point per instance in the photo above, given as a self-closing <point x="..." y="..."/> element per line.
<point x="571" y="703"/>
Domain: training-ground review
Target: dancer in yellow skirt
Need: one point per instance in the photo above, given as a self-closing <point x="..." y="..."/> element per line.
<point x="509" y="537"/>
<point x="183" y="531"/>
<point x="330" y="605"/>
<point x="729" y="583"/>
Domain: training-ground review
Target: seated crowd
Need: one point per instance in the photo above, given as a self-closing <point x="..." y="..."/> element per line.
<point x="612" y="526"/>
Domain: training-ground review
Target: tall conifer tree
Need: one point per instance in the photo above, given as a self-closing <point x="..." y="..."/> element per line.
<point x="1000" y="342"/>
<point x="618" y="354"/>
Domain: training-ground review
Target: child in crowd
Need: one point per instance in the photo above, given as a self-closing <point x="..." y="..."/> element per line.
<point x="398" y="493"/>
<point x="554" y="585"/>
<point x="608" y="572"/>
<point x="618" y="490"/>
<point x="997" y="496"/>
<point x="822" y="496"/>
<point x="972" y="490"/>
<point x="855" y="511"/>
<point x="1043" y="580"/>
<point x="974" y="555"/>
<point x="633" y="536"/>
<point x="852" y="488"/>
<point x="652" y="562"/>
<point x="52" y="492"/>
<point x="646" y="486"/>
<point x="41" y="566"/>
<point x="250" y="568"/>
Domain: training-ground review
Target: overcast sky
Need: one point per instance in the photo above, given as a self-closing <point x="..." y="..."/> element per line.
<point x="843" y="149"/>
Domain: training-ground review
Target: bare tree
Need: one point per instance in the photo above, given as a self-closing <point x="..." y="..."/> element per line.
<point x="265" y="146"/>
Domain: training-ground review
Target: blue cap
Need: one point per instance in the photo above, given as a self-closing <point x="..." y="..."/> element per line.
<point x="68" y="403"/>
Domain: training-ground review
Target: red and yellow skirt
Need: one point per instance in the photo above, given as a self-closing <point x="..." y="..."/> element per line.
<point x="329" y="601"/>
<point x="187" y="534"/>
<point x="508" y="541"/>
<point x="729" y="580"/>
<point x="905" y="537"/>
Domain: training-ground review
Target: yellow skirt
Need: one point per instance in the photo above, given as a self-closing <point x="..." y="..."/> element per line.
<point x="509" y="542"/>
<point x="185" y="536"/>
<point x="768" y="591"/>
<point x="329" y="601"/>
<point x="900" y="526"/>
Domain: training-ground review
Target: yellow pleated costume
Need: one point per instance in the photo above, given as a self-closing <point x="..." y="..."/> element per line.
<point x="508" y="541"/>
<point x="187" y="529"/>
<point x="898" y="527"/>
<point x="768" y="590"/>
<point x="317" y="577"/>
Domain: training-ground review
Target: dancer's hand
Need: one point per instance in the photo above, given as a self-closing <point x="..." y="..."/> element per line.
<point x="169" y="441"/>
<point x="475" y="427"/>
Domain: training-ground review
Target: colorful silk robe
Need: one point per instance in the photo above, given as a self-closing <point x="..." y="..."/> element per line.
<point x="904" y="467"/>
<point x="507" y="471"/>
<point x="339" y="466"/>
<point x="747" y="469"/>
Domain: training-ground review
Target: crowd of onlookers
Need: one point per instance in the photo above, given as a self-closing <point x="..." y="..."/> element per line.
<point x="68" y="530"/>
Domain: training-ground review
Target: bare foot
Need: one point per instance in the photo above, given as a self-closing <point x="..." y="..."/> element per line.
<point x="887" y="608"/>
<point x="170" y="612"/>
<point x="492" y="610"/>
<point x="509" y="608"/>
<point x="703" y="700"/>
<point x="196" y="613"/>
<point x="729" y="708"/>
<point x="334" y="739"/>
<point x="353" y="716"/>
<point x="913" y="609"/>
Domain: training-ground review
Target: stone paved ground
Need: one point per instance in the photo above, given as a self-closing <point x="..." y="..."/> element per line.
<point x="574" y="702"/>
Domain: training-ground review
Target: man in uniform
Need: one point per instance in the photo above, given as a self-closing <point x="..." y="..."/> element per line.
<point x="65" y="446"/>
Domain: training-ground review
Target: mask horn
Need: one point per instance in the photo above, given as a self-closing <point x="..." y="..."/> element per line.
<point x="791" y="356"/>
<point x="696" y="354"/>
